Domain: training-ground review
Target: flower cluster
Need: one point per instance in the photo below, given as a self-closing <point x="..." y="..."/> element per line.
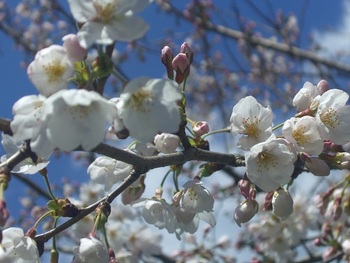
<point x="313" y="136"/>
<point x="190" y="205"/>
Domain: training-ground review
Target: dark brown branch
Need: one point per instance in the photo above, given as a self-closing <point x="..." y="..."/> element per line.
<point x="42" y="238"/>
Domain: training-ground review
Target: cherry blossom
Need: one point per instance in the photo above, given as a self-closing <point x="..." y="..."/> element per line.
<point x="303" y="133"/>
<point x="66" y="114"/>
<point x="108" y="20"/>
<point x="51" y="69"/>
<point x="252" y="120"/>
<point x="303" y="99"/>
<point x="196" y="198"/>
<point x="158" y="212"/>
<point x="333" y="116"/>
<point x="108" y="171"/>
<point x="150" y="104"/>
<point x="18" y="247"/>
<point x="27" y="117"/>
<point x="90" y="250"/>
<point x="270" y="164"/>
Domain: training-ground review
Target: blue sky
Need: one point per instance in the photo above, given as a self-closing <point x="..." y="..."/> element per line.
<point x="319" y="17"/>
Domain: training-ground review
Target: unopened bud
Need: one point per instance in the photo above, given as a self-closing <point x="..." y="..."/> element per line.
<point x="336" y="209"/>
<point x="75" y="51"/>
<point x="166" y="142"/>
<point x="245" y="211"/>
<point x="186" y="49"/>
<point x="200" y="127"/>
<point x="181" y="65"/>
<point x="244" y="186"/>
<point x="323" y="86"/>
<point x="282" y="204"/>
<point x="134" y="192"/>
<point x="167" y="57"/>
<point x="4" y="213"/>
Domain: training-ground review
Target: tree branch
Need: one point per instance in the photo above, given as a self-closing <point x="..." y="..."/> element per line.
<point x="290" y="50"/>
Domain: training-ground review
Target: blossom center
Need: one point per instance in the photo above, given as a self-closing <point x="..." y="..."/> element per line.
<point x="79" y="112"/>
<point x="140" y="99"/>
<point x="300" y="136"/>
<point x="54" y="70"/>
<point x="104" y="11"/>
<point x="330" y="118"/>
<point x="251" y="128"/>
<point x="265" y="160"/>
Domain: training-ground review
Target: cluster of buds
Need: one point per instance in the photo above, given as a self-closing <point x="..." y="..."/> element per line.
<point x="181" y="63"/>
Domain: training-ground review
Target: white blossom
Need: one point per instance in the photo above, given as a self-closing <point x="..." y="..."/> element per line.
<point x="51" y="69"/>
<point x="333" y="116"/>
<point x="73" y="118"/>
<point x="108" y="20"/>
<point x="148" y="106"/>
<point x="304" y="98"/>
<point x="157" y="212"/>
<point x="252" y="120"/>
<point x="303" y="133"/>
<point x="91" y="250"/>
<point x="108" y="171"/>
<point x="270" y="164"/>
<point x="27" y="121"/>
<point x="19" y="248"/>
<point x="196" y="198"/>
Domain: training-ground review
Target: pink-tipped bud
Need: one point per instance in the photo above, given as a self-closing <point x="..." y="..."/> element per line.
<point x="167" y="57"/>
<point x="200" y="127"/>
<point x="75" y="51"/>
<point x="244" y="186"/>
<point x="186" y="49"/>
<point x="181" y="65"/>
<point x="322" y="86"/>
<point x="246" y="211"/>
<point x="4" y="213"/>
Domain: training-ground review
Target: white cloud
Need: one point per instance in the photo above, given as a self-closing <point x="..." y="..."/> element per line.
<point x="337" y="41"/>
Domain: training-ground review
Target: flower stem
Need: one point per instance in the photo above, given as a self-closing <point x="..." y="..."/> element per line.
<point x="217" y="131"/>
<point x="42" y="218"/>
<point x="47" y="182"/>
<point x="278" y="126"/>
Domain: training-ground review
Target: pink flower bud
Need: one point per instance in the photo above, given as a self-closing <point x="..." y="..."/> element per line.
<point x="336" y="209"/>
<point x="282" y="204"/>
<point x="75" y="51"/>
<point x="200" y="128"/>
<point x="181" y="65"/>
<point x="323" y="86"/>
<point x="4" y="213"/>
<point x="166" y="142"/>
<point x="244" y="186"/>
<point x="167" y="57"/>
<point x="245" y="211"/>
<point x="186" y="49"/>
